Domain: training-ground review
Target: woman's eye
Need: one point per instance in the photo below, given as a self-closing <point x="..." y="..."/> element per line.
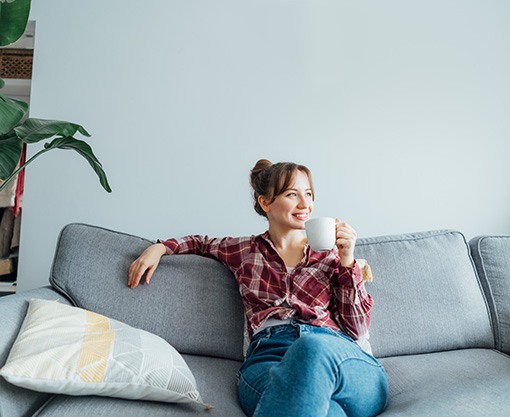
<point x="291" y="195"/>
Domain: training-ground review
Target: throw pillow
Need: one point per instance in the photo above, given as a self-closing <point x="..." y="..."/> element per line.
<point x="67" y="350"/>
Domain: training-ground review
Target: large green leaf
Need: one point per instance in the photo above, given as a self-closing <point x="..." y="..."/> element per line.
<point x="35" y="130"/>
<point x="10" y="154"/>
<point x="84" y="150"/>
<point x="11" y="113"/>
<point x="13" y="20"/>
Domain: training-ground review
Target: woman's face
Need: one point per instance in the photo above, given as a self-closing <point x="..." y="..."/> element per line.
<point x="294" y="206"/>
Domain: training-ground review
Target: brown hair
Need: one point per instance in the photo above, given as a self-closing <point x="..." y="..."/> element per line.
<point x="270" y="180"/>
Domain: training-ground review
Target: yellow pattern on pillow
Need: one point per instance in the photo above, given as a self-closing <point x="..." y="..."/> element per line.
<point x="97" y="345"/>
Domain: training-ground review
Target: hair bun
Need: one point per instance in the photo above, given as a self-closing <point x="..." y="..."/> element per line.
<point x="260" y="166"/>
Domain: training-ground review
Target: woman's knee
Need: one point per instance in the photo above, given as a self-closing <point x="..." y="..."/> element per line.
<point x="363" y="388"/>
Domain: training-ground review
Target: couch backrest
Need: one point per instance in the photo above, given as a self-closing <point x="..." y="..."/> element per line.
<point x="426" y="293"/>
<point x="192" y="302"/>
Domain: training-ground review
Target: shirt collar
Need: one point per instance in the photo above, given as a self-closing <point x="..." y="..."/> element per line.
<point x="265" y="238"/>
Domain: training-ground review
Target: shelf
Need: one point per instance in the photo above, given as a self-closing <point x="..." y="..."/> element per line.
<point x="7" y="286"/>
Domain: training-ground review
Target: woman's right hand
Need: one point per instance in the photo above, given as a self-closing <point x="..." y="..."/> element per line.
<point x="146" y="263"/>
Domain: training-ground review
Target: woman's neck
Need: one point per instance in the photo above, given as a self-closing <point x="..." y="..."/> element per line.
<point x="287" y="239"/>
<point x="289" y="245"/>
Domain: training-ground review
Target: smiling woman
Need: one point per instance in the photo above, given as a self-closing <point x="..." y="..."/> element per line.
<point x="304" y="309"/>
<point x="283" y="194"/>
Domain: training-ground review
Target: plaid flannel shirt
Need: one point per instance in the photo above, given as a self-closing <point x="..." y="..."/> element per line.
<point x="318" y="291"/>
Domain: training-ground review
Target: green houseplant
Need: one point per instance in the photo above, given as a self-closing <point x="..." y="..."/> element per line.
<point x="16" y="130"/>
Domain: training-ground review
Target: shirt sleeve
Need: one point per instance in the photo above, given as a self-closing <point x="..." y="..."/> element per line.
<point x="353" y="305"/>
<point x="227" y="250"/>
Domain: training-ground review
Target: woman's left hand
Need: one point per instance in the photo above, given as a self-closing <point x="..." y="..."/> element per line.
<point x="345" y="242"/>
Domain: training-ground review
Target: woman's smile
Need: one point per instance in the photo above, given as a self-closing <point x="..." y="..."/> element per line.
<point x="302" y="216"/>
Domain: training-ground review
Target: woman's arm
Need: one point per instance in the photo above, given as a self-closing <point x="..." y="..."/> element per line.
<point x="227" y="250"/>
<point x="353" y="305"/>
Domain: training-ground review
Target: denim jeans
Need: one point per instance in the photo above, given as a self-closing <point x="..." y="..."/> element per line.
<point x="298" y="370"/>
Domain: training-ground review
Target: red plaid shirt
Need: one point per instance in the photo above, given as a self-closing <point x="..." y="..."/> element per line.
<point x="318" y="291"/>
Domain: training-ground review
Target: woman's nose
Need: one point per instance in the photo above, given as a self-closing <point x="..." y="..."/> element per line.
<point x="302" y="202"/>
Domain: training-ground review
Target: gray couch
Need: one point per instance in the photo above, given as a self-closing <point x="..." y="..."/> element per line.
<point x="441" y="330"/>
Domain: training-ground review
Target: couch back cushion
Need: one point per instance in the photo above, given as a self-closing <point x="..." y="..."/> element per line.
<point x="492" y="258"/>
<point x="427" y="296"/>
<point x="426" y="292"/>
<point x="192" y="302"/>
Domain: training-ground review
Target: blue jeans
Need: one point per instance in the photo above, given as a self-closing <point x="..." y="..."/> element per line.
<point x="298" y="370"/>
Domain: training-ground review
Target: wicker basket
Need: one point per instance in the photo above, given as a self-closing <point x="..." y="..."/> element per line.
<point x="16" y="63"/>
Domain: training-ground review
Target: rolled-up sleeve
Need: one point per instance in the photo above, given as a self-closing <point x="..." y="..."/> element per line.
<point x="227" y="250"/>
<point x="353" y="305"/>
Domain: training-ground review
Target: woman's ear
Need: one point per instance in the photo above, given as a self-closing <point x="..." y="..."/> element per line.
<point x="263" y="203"/>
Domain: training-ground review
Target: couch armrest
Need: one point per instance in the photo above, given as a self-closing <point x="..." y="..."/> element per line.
<point x="16" y="401"/>
<point x="491" y="255"/>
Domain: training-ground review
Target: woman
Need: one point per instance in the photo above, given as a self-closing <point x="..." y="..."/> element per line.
<point x="303" y="308"/>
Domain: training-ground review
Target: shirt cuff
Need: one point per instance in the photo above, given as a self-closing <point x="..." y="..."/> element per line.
<point x="171" y="246"/>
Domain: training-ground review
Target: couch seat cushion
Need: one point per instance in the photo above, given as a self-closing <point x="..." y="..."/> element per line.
<point x="460" y="383"/>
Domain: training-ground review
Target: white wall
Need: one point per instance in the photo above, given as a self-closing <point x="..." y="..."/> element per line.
<point x="399" y="108"/>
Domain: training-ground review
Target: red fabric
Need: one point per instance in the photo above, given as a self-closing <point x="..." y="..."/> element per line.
<point x="318" y="291"/>
<point x="21" y="182"/>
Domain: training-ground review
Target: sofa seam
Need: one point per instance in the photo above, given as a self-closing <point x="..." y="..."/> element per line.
<point x="105" y="229"/>
<point x="43" y="406"/>
<point x="412" y="239"/>
<point x="502" y="353"/>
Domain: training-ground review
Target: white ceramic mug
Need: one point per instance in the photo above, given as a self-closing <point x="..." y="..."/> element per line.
<point x="321" y="233"/>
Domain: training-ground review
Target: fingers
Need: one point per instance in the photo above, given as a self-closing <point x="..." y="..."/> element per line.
<point x="345" y="231"/>
<point x="345" y="242"/>
<point x="148" y="277"/>
<point x="135" y="274"/>
<point x="146" y="263"/>
<point x="136" y="271"/>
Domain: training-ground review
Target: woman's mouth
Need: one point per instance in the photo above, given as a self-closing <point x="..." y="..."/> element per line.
<point x="301" y="216"/>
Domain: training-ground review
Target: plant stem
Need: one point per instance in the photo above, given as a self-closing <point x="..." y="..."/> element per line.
<point x="6" y="181"/>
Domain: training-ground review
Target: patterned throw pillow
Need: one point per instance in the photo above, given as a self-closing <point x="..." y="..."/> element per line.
<point x="67" y="350"/>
